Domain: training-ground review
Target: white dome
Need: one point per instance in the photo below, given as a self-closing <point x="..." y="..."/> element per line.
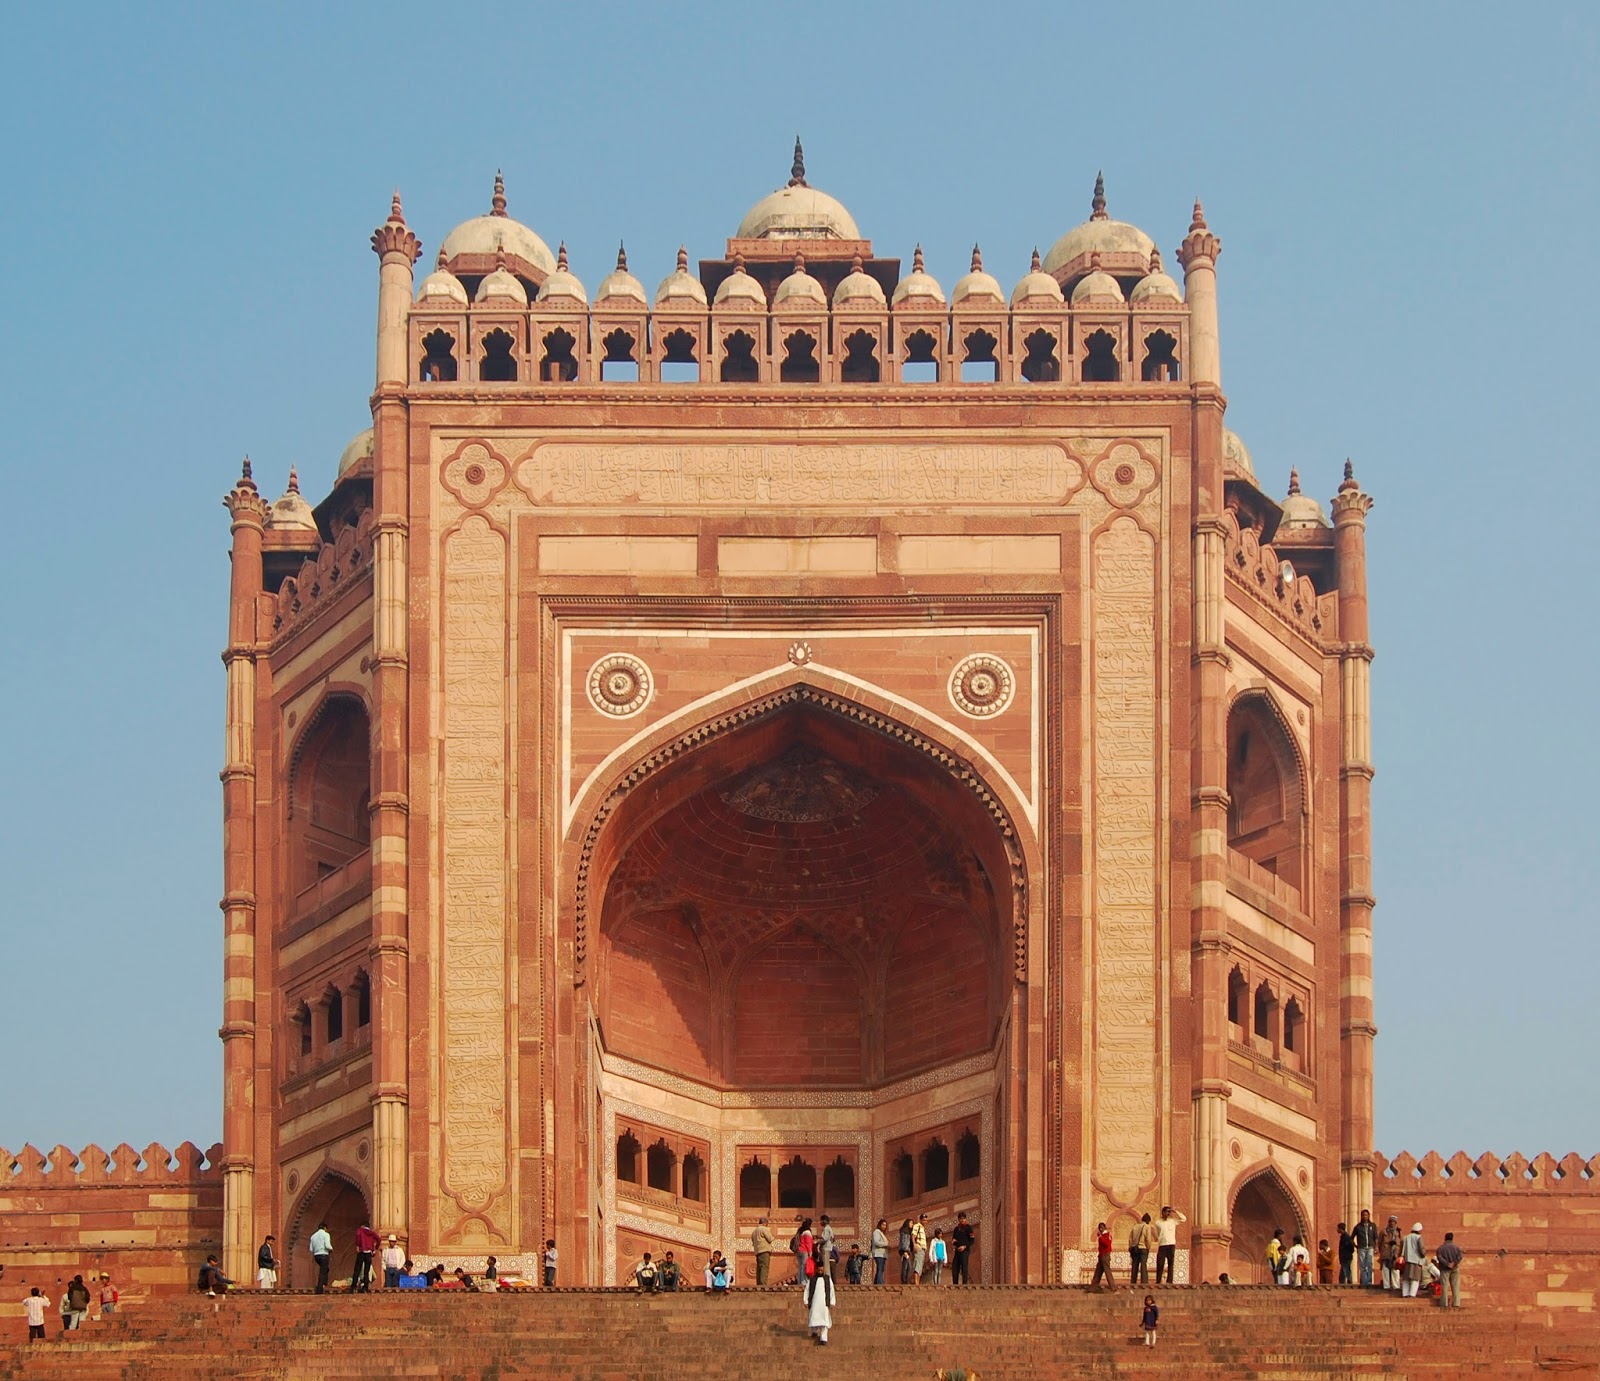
<point x="1155" y="284"/>
<point x="489" y="235"/>
<point x="291" y="512"/>
<point x="918" y="287"/>
<point x="858" y="289"/>
<point x="619" y="283"/>
<point x="1115" y="241"/>
<point x="1036" y="285"/>
<point x="441" y="287"/>
<point x="800" y="289"/>
<point x="502" y="286"/>
<point x="681" y="286"/>
<point x="1301" y="510"/>
<point x="739" y="289"/>
<point x="797" y="212"/>
<point x="562" y="285"/>
<point x="359" y="450"/>
<point x="1097" y="287"/>
<point x="976" y="284"/>
<point x="1235" y="456"/>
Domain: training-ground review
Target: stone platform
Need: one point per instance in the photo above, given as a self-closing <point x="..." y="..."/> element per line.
<point x="1005" y="1333"/>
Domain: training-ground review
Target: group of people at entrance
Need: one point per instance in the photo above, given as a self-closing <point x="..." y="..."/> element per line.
<point x="1385" y="1258"/>
<point x="399" y="1272"/>
<point x="1145" y="1235"/>
<point x="923" y="1257"/>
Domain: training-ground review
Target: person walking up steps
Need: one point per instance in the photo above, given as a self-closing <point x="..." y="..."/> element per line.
<point x="1167" y="1241"/>
<point x="1148" y="1319"/>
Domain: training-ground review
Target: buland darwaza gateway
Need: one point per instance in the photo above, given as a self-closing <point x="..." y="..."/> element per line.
<point x="799" y="740"/>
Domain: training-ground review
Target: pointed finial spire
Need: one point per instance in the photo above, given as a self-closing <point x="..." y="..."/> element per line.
<point x="1349" y="478"/>
<point x="499" y="258"/>
<point x="396" y="215"/>
<point x="1097" y="211"/>
<point x="244" y="470"/>
<point x="1199" y="221"/>
<point x="855" y="263"/>
<point x="1034" y="266"/>
<point x="977" y="259"/>
<point x="738" y="262"/>
<point x="561" y="257"/>
<point x="799" y="261"/>
<point x="1294" y="481"/>
<point x="683" y="259"/>
<point x="1155" y="260"/>
<point x="1094" y="261"/>
<point x="439" y="263"/>
<point x="797" y="172"/>
<point x="916" y="260"/>
<point x="294" y="481"/>
<point x="622" y="257"/>
<point x="497" y="203"/>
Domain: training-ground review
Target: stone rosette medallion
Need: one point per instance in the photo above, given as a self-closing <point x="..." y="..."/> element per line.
<point x="475" y="474"/>
<point x="620" y="684"/>
<point x="982" y="685"/>
<point x="1124" y="474"/>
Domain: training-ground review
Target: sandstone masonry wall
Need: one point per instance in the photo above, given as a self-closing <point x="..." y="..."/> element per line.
<point x="148" y="1217"/>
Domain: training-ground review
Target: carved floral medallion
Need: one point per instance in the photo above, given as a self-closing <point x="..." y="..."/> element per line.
<point x="982" y="685"/>
<point x="619" y="684"/>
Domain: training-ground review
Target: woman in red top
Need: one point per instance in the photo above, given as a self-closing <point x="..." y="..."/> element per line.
<point x="1102" y="1264"/>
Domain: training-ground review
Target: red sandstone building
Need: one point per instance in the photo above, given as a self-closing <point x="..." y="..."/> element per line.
<point x="798" y="741"/>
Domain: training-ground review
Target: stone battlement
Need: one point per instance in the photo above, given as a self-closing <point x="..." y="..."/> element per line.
<point x="1461" y="1175"/>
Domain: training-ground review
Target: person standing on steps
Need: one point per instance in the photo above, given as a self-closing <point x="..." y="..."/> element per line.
<point x="550" y="1264"/>
<point x="820" y="1298"/>
<point x="919" y="1248"/>
<point x="801" y="1244"/>
<point x="938" y="1254"/>
<point x="1389" y="1253"/>
<point x="361" y="1275"/>
<point x="1347" y="1255"/>
<point x="1148" y="1320"/>
<point x="1366" y="1240"/>
<point x="1166" y="1228"/>
<point x="1413" y="1258"/>
<point x="1448" y="1260"/>
<point x="830" y="1253"/>
<point x="1102" y="1259"/>
<point x="761" y="1245"/>
<point x="880" y="1250"/>
<point x="394" y="1257"/>
<point x="1139" y="1242"/>
<point x="322" y="1254"/>
<point x="34" y="1306"/>
<point x="267" y="1263"/>
<point x="905" y="1252"/>
<point x="961" y="1250"/>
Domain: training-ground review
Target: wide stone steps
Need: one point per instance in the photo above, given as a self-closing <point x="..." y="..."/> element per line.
<point x="1002" y="1332"/>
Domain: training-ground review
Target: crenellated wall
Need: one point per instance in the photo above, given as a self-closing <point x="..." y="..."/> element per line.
<point x="148" y="1217"/>
<point x="1530" y="1228"/>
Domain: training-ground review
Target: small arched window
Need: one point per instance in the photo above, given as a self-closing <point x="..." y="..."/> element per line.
<point x="1100" y="363"/>
<point x="1040" y="365"/>
<point x="363" y="991"/>
<point x="1294" y="1028"/>
<point x="499" y="363"/>
<point x="302" y="1019"/>
<point x="659" y="1163"/>
<point x="797" y="1185"/>
<point x="838" y="1184"/>
<point x="1266" y="1013"/>
<point x="619" y="364"/>
<point x="860" y="365"/>
<point x="902" y="1177"/>
<point x="694" y="1178"/>
<point x="921" y="364"/>
<point x="559" y="365"/>
<point x="739" y="359"/>
<point x="800" y="364"/>
<point x="330" y="816"/>
<point x="935" y="1166"/>
<point x="1238" y="999"/>
<point x="679" y="363"/>
<point x="1161" y="359"/>
<point x="628" y="1158"/>
<point x="755" y="1185"/>
<point x="969" y="1159"/>
<point x="1265" y="822"/>
<point x="980" y="365"/>
<point x="439" y="358"/>
<point x="334" y="1008"/>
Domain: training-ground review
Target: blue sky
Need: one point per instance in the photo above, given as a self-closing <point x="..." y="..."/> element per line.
<point x="1404" y="193"/>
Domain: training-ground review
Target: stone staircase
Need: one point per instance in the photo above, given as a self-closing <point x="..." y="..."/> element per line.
<point x="1004" y="1333"/>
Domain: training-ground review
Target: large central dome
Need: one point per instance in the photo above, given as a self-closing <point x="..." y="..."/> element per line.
<point x="798" y="212"/>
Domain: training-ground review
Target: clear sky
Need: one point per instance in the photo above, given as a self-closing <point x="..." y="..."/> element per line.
<point x="1404" y="194"/>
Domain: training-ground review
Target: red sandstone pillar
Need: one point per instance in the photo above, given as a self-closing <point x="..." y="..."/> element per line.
<point x="238" y="1032"/>
<point x="1356" y="1028"/>
<point x="1208" y="1221"/>
<point x="397" y="249"/>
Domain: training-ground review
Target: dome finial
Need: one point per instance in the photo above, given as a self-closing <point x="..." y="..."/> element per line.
<point x="497" y="204"/>
<point x="855" y="263"/>
<point x="1155" y="260"/>
<point x="799" y="261"/>
<point x="738" y="262"/>
<point x="244" y="470"/>
<point x="439" y="263"/>
<point x="294" y="480"/>
<point x="916" y="260"/>
<point x="683" y="258"/>
<point x="1034" y="266"/>
<point x="500" y="259"/>
<point x="1199" y="221"/>
<point x="1294" y="481"/>
<point x="396" y="215"/>
<point x="977" y="259"/>
<point x="561" y="257"/>
<point x="1097" y="211"/>
<point x="622" y="257"/>
<point x="1349" y="478"/>
<point x="797" y="171"/>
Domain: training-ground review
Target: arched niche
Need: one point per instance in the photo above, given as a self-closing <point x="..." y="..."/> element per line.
<point x="1266" y="790"/>
<point x="1262" y="1201"/>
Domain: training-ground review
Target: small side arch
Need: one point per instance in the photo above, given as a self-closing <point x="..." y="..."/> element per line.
<point x="339" y="1196"/>
<point x="1262" y="1199"/>
<point x="1267" y="789"/>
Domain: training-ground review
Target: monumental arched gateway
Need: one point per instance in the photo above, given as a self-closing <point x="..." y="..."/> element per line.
<point x="797" y="740"/>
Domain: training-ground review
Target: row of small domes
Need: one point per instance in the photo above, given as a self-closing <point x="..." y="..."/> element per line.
<point x="858" y="289"/>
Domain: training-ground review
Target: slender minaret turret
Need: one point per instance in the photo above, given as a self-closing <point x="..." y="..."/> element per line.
<point x="249" y="513"/>
<point x="1357" y="1030"/>
<point x="397" y="249"/>
<point x="1198" y="255"/>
